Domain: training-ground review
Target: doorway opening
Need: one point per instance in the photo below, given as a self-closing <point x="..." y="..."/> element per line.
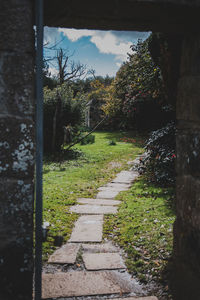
<point x="75" y="173"/>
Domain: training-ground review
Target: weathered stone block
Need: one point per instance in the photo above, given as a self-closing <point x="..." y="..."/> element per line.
<point x="187" y="244"/>
<point x="107" y="247"/>
<point x="16" y="148"/>
<point x="94" y="209"/>
<point x="87" y="229"/>
<point x="98" y="201"/>
<point x="16" y="29"/>
<point x="188" y="152"/>
<point x="190" y="62"/>
<point x="74" y="284"/>
<point x="188" y="200"/>
<point x="107" y="194"/>
<point x="65" y="255"/>
<point x="186" y="273"/>
<point x="103" y="261"/>
<point x="16" y="232"/>
<point x="125" y="177"/>
<point x="17" y="84"/>
<point x="156" y="15"/>
<point x="16" y="208"/>
<point x="16" y="272"/>
<point x="188" y="99"/>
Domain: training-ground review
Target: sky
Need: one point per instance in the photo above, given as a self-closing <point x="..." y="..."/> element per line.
<point x="103" y="51"/>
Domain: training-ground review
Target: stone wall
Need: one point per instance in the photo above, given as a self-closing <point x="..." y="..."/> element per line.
<point x="17" y="148"/>
<point x="17" y="145"/>
<point x="187" y="226"/>
<point x="156" y="15"/>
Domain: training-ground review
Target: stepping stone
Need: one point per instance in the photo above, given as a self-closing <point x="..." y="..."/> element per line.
<point x="99" y="248"/>
<point x="103" y="261"/>
<point x="126" y="177"/>
<point x="98" y="201"/>
<point x="118" y="185"/>
<point x="81" y="283"/>
<point x="93" y="209"/>
<point x="140" y="298"/>
<point x="107" y="194"/>
<point x="65" y="255"/>
<point x="115" y="186"/>
<point x="88" y="229"/>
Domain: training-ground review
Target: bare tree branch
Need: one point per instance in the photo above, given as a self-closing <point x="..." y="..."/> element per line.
<point x="68" y="70"/>
<point x="92" y="72"/>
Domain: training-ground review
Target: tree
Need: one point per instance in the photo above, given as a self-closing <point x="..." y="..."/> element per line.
<point x="137" y="95"/>
<point x="96" y="99"/>
<point x="68" y="69"/>
<point x="60" y="109"/>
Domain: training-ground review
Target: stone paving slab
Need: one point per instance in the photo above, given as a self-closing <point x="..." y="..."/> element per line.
<point x="107" y="194"/>
<point x="136" y="298"/>
<point x="94" y="209"/>
<point x="115" y="186"/>
<point x="98" y="201"/>
<point x="65" y="255"/>
<point x="81" y="283"/>
<point x="99" y="248"/>
<point x="126" y="177"/>
<point x="87" y="229"/>
<point x="103" y="261"/>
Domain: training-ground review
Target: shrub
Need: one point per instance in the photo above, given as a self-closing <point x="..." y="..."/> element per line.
<point x="90" y="139"/>
<point x="60" y="110"/>
<point x="159" y="162"/>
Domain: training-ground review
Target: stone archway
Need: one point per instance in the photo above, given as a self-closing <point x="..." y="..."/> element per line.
<point x="17" y="155"/>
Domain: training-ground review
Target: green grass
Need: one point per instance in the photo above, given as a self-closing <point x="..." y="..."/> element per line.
<point x="143" y="228"/>
<point x="79" y="174"/>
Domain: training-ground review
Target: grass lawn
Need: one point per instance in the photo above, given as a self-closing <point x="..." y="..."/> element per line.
<point x="79" y="174"/>
<point x="143" y="228"/>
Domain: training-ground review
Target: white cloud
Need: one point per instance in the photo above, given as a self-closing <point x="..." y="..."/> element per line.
<point x="76" y="34"/>
<point x="112" y="42"/>
<point x="53" y="71"/>
<point x="107" y="42"/>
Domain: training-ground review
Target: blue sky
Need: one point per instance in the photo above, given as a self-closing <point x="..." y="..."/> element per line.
<point x="103" y="51"/>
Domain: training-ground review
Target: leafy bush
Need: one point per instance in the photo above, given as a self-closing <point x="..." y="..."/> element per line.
<point x="159" y="162"/>
<point x="136" y="97"/>
<point x="90" y="139"/>
<point x="60" y="110"/>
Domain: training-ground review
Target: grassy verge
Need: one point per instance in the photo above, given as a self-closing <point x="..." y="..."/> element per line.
<point x="143" y="228"/>
<point x="79" y="174"/>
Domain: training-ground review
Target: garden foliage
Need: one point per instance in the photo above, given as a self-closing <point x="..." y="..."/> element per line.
<point x="137" y="96"/>
<point x="90" y="139"/>
<point x="139" y="99"/>
<point x="61" y="110"/>
<point x="159" y="162"/>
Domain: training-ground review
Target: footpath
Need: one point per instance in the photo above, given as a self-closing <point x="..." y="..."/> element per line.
<point x="87" y="267"/>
